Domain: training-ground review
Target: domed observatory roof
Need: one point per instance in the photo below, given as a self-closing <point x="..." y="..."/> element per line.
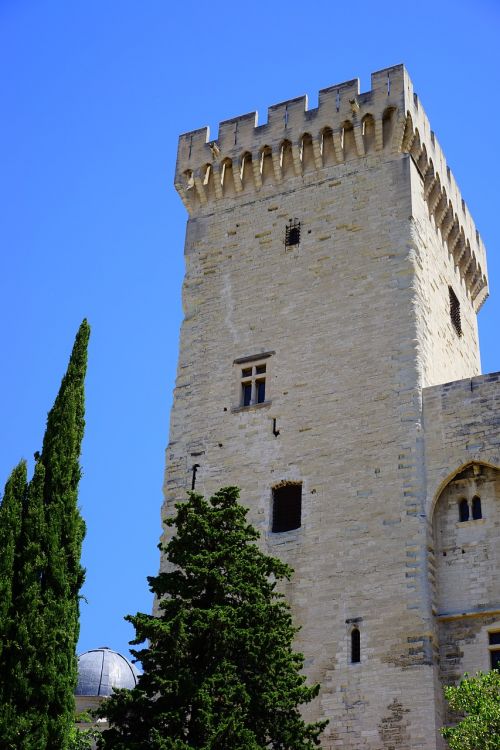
<point x="101" y="669"/>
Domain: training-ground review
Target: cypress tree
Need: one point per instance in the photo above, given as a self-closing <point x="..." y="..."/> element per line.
<point x="41" y="623"/>
<point x="23" y="720"/>
<point x="219" y="668"/>
<point x="64" y="532"/>
<point x="11" y="514"/>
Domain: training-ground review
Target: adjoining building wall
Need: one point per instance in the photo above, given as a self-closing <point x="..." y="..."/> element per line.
<point x="462" y="458"/>
<point x="302" y="364"/>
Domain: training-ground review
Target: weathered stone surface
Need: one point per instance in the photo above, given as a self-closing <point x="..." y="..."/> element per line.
<point x="361" y="403"/>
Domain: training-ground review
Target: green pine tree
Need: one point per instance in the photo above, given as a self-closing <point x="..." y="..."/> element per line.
<point x="219" y="669"/>
<point x="39" y="627"/>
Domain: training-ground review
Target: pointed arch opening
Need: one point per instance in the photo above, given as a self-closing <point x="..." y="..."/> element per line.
<point x="207" y="180"/>
<point x="416" y="146"/>
<point x="327" y="147"/>
<point x="388" y="120"/>
<point x="423" y="160"/>
<point x="246" y="169"/>
<point x="188" y="179"/>
<point x="466" y="541"/>
<point x="348" y="140"/>
<point x="227" y="179"/>
<point x="286" y="159"/>
<point x="368" y="132"/>
<point x="266" y="165"/>
<point x="307" y="153"/>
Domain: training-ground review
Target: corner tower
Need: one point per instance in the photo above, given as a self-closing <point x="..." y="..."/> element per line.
<point x="332" y="272"/>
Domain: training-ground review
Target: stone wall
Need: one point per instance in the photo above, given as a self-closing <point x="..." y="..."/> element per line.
<point x="350" y="323"/>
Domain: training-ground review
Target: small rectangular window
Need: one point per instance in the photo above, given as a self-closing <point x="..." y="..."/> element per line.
<point x="292" y="233"/>
<point x="495" y="659"/>
<point x="287" y="507"/>
<point x="455" y="311"/>
<point x="252" y="381"/>
<point x="494" y="638"/>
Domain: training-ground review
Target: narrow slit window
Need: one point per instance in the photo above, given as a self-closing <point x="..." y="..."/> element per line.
<point x="476" y="508"/>
<point x="463" y="510"/>
<point x="287" y="507"/>
<point x="292" y="233"/>
<point x="355" y="646"/>
<point x="455" y="312"/>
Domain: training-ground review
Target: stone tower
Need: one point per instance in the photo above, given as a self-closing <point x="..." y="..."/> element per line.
<point x="333" y="277"/>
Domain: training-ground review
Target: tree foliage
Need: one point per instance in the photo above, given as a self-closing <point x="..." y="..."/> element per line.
<point x="477" y="701"/>
<point x="11" y="513"/>
<point x="83" y="738"/>
<point x="41" y="534"/>
<point x="219" y="668"/>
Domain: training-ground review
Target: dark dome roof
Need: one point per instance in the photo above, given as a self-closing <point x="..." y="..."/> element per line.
<point x="101" y="669"/>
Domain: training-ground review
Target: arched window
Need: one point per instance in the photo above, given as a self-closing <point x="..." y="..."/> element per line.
<point x="355" y="646"/>
<point x="463" y="510"/>
<point x="476" y="508"/>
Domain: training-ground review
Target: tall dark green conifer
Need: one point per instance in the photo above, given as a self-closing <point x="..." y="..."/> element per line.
<point x="64" y="532"/>
<point x="23" y="720"/>
<point x="219" y="671"/>
<point x="11" y="516"/>
<point x="40" y="627"/>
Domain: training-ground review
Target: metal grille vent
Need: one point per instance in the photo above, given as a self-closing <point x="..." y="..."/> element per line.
<point x="292" y="233"/>
<point x="455" y="312"/>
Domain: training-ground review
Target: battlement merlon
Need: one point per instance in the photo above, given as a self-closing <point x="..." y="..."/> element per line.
<point x="389" y="118"/>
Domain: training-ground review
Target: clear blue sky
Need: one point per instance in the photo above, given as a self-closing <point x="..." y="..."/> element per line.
<point x="93" y="97"/>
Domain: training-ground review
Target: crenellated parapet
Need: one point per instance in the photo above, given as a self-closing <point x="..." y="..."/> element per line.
<point x="247" y="159"/>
